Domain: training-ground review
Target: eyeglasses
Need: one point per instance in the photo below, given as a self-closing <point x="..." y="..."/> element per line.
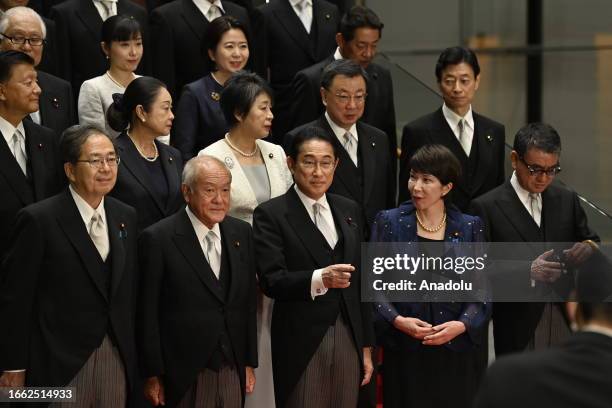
<point x="325" y="165"/>
<point x="98" y="163"/>
<point x="20" y="40"/>
<point x="539" y="171"/>
<point x="344" y="98"/>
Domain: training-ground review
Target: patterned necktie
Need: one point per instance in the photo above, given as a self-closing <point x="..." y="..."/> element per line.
<point x="19" y="150"/>
<point x="305" y="14"/>
<point x="534" y="208"/>
<point x="323" y="226"/>
<point x="98" y="235"/>
<point x="108" y="7"/>
<point x="350" y="146"/>
<point x="463" y="139"/>
<point x="213" y="12"/>
<point x="212" y="254"/>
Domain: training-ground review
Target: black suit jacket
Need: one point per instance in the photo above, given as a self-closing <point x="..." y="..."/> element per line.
<point x="576" y="374"/>
<point x="45" y="177"/>
<point x="79" y="28"/>
<point x="379" y="109"/>
<point x="178" y="30"/>
<point x="50" y="61"/>
<point x="134" y="185"/>
<point x="56" y="106"/>
<point x="506" y="220"/>
<point x="181" y="312"/>
<point x="378" y="179"/>
<point x="288" y="49"/>
<point x="433" y="129"/>
<point x="288" y="248"/>
<point x="55" y="302"/>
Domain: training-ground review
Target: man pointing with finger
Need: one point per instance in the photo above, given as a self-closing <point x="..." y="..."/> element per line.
<point x="307" y="246"/>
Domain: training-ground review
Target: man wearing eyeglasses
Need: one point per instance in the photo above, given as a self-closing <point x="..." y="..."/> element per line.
<point x="307" y="250"/>
<point x="69" y="283"/>
<point x="22" y="29"/>
<point x="531" y="207"/>
<point x="364" y="172"/>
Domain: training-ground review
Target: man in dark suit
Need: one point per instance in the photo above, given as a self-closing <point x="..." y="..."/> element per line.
<point x="357" y="39"/>
<point x="364" y="173"/>
<point x="307" y="247"/>
<point x="478" y="142"/>
<point x="79" y="31"/>
<point x="576" y="374"/>
<point x="196" y="351"/>
<point x="178" y="34"/>
<point x="29" y="160"/>
<point x="297" y="34"/>
<point x="56" y="110"/>
<point x="69" y="283"/>
<point x="530" y="207"/>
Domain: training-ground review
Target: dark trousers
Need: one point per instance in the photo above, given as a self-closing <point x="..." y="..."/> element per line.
<point x="214" y="390"/>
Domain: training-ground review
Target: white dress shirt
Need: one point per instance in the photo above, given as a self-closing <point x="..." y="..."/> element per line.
<point x="205" y="5"/>
<point x="104" y="14"/>
<point x="317" y="288"/>
<point x="453" y="121"/>
<point x="340" y="132"/>
<point x="86" y="211"/>
<point x="201" y="231"/>
<point x="303" y="9"/>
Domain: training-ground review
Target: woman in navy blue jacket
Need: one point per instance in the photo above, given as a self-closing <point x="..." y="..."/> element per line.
<point x="433" y="352"/>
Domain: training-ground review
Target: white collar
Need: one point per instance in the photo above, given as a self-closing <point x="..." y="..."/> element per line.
<point x="522" y="194"/>
<point x="309" y="202"/>
<point x="205" y="5"/>
<point x="8" y="130"/>
<point x="85" y="209"/>
<point x="294" y="3"/>
<point x="340" y="131"/>
<point x="596" y="328"/>
<point x="200" y="229"/>
<point x="337" y="54"/>
<point x="453" y="119"/>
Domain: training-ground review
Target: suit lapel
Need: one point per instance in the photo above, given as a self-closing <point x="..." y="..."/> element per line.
<point x="320" y="22"/>
<point x="232" y="246"/>
<point x="551" y="214"/>
<point x="130" y="159"/>
<point x="367" y="148"/>
<point x="347" y="225"/>
<point x="70" y="221"/>
<point x="13" y="174"/>
<point x="187" y="242"/>
<point x="441" y="133"/>
<point x="293" y="25"/>
<point x="116" y="234"/>
<point x="90" y="17"/>
<point x="517" y="215"/>
<point x="36" y="156"/>
<point x="485" y="155"/>
<point x="300" y="221"/>
<point x="194" y="18"/>
<point x="172" y="176"/>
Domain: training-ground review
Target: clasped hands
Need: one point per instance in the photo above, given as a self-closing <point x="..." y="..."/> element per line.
<point x="430" y="335"/>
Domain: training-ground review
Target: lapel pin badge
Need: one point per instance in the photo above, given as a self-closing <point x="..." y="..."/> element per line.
<point x="349" y="221"/>
<point x="55" y="103"/>
<point x="215" y="96"/>
<point x="373" y="145"/>
<point x="40" y="146"/>
<point x="489" y="138"/>
<point x="237" y="244"/>
<point x="170" y="159"/>
<point x="327" y="16"/>
<point x="271" y="155"/>
<point x="122" y="231"/>
<point x="229" y="162"/>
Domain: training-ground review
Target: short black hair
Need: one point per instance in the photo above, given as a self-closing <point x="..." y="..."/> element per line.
<point x="596" y="311"/>
<point x="120" y="27"/>
<point x="540" y="136"/>
<point x="454" y="56"/>
<point x="214" y="33"/>
<point x="438" y="161"/>
<point x="306" y="134"/>
<point x="141" y="91"/>
<point x="359" y="17"/>
<point x="9" y="59"/>
<point x="239" y="94"/>
<point x="346" y="67"/>
<point x="73" y="139"/>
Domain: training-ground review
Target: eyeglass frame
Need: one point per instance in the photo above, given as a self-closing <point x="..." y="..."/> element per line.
<point x="345" y="99"/>
<point x="313" y="164"/>
<point x="25" y="39"/>
<point x="98" y="163"/>
<point x="550" y="172"/>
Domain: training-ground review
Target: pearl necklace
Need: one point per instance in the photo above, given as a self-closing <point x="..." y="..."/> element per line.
<point x="251" y="154"/>
<point x="435" y="229"/>
<point x="114" y="80"/>
<point x="144" y="156"/>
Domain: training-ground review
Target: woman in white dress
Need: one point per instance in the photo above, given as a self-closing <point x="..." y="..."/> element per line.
<point x="122" y="45"/>
<point x="259" y="172"/>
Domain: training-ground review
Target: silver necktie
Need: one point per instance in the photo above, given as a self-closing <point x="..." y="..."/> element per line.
<point x="350" y="147"/>
<point x="534" y="207"/>
<point x="98" y="235"/>
<point x="323" y="226"/>
<point x="212" y="255"/>
<point x="463" y="137"/>
<point x="19" y="151"/>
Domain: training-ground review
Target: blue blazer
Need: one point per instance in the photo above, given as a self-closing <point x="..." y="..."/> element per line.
<point x="399" y="225"/>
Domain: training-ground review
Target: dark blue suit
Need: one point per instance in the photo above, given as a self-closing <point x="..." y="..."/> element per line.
<point x="199" y="120"/>
<point x="458" y="364"/>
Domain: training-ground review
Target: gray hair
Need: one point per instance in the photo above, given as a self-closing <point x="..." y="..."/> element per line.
<point x="17" y="12"/>
<point x="190" y="171"/>
<point x="73" y="139"/>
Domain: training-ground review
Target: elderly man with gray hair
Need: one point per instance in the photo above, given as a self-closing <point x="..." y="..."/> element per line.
<point x="22" y="29"/>
<point x="197" y="327"/>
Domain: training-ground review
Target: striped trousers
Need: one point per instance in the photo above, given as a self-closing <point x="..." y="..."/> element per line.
<point x="214" y="390"/>
<point x="333" y="374"/>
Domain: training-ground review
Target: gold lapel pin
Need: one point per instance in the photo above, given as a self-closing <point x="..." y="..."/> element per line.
<point x="215" y="96"/>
